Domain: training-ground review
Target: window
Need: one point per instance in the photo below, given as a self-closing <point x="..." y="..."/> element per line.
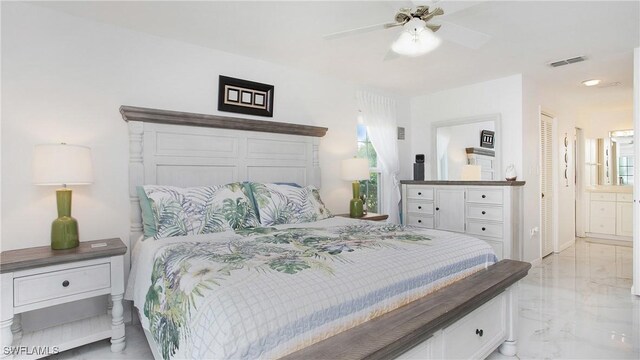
<point x="369" y="189"/>
<point x="625" y="170"/>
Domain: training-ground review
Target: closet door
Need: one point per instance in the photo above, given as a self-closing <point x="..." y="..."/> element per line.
<point x="450" y="209"/>
<point x="546" y="184"/>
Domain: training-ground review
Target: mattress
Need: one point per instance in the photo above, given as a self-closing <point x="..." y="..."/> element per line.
<point x="267" y="292"/>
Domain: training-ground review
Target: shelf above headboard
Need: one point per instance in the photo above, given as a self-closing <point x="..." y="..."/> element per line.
<point x="133" y="113"/>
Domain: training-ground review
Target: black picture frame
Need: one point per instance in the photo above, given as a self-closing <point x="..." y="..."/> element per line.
<point x="245" y="97"/>
<point x="486" y="139"/>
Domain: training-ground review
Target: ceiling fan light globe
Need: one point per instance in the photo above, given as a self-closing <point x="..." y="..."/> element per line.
<point x="411" y="43"/>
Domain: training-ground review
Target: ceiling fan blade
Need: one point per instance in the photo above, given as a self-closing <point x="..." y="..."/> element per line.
<point x="433" y="28"/>
<point x="390" y="25"/>
<point x="434" y="13"/>
<point x="362" y="30"/>
<point x="449" y="6"/>
<point x="462" y="36"/>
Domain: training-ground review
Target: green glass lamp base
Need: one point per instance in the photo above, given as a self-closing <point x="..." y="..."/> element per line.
<point x="355" y="205"/>
<point x="64" y="233"/>
<point x="355" y="208"/>
<point x="64" y="230"/>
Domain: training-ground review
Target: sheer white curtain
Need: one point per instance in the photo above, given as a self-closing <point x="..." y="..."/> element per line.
<point x="379" y="115"/>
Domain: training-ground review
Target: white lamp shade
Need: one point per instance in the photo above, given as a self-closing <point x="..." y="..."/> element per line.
<point x="471" y="172"/>
<point x="415" y="39"/>
<point x="355" y="169"/>
<point x="62" y="164"/>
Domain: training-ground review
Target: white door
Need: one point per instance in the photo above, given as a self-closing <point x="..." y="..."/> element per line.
<point x="546" y="184"/>
<point x="450" y="209"/>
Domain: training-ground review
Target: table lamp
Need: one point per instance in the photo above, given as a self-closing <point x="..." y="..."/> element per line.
<point x="355" y="170"/>
<point x="471" y="172"/>
<point x="63" y="164"/>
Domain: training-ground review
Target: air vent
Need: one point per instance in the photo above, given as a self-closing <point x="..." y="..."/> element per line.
<point x="400" y="133"/>
<point x="564" y="62"/>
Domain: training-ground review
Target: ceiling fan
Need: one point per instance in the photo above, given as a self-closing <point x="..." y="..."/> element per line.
<point x="418" y="37"/>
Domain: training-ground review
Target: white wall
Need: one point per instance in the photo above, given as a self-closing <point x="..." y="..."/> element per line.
<point x="503" y="96"/>
<point x="565" y="113"/>
<point x="597" y="122"/>
<point x="64" y="78"/>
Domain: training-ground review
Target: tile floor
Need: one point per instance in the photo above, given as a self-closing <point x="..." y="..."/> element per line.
<point x="574" y="305"/>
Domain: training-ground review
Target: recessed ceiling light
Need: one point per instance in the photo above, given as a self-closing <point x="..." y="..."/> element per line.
<point x="591" y="82"/>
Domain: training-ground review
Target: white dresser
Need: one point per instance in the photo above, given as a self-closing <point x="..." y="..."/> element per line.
<point x="610" y="212"/>
<point x="489" y="210"/>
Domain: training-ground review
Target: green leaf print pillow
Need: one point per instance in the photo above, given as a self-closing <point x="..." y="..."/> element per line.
<point x="285" y="204"/>
<point x="200" y="210"/>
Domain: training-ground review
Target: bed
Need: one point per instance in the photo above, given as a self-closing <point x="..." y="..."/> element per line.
<point x="329" y="288"/>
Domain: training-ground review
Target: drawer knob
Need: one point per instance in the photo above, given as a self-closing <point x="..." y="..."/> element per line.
<point x="419" y="221"/>
<point x="419" y="193"/>
<point x="65" y="283"/>
<point x="419" y="207"/>
<point x="483" y="229"/>
<point x="484" y="196"/>
<point x="483" y="212"/>
<point x="479" y="332"/>
<point x="437" y="209"/>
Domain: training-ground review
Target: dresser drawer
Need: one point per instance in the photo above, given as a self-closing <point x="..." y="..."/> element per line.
<point x="469" y="337"/>
<point x="598" y="196"/>
<point x="420" y="220"/>
<point x="485" y="229"/>
<point x="484" y="196"/>
<point x="603" y="225"/>
<point x="419" y="192"/>
<point x="421" y="207"/>
<point x="483" y="212"/>
<point x="42" y="287"/>
<point x="603" y="209"/>
<point x="624" y="197"/>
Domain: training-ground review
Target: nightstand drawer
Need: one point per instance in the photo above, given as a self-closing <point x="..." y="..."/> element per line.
<point x="46" y="286"/>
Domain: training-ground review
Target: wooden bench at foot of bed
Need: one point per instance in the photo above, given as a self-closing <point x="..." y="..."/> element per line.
<point x="467" y="319"/>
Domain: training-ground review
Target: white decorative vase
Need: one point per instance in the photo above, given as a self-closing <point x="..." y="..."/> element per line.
<point x="510" y="174"/>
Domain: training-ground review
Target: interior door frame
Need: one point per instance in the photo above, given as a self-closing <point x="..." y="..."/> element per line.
<point x="554" y="180"/>
<point x="579" y="168"/>
<point x="635" y="288"/>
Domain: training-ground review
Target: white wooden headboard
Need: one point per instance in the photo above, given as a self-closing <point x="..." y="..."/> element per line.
<point x="183" y="149"/>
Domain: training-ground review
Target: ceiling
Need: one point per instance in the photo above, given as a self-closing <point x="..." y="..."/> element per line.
<point x="525" y="36"/>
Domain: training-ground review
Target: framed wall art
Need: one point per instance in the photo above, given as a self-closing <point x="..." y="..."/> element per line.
<point x="245" y="97"/>
<point x="486" y="139"/>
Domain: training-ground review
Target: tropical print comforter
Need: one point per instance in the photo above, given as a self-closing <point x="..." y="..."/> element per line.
<point x="266" y="292"/>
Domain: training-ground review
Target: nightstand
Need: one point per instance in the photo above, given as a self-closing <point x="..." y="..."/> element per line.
<point x="40" y="277"/>
<point x="369" y="216"/>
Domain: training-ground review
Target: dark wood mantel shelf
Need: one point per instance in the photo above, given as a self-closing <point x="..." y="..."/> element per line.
<point x="133" y="113"/>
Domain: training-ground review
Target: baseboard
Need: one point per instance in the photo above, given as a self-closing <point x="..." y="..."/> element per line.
<point x="610" y="237"/>
<point x="565" y="246"/>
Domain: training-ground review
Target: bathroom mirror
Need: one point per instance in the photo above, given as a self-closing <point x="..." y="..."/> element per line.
<point x="467" y="141"/>
<point x="610" y="160"/>
<point x="622" y="157"/>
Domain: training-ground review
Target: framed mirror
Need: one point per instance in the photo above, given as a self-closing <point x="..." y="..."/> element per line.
<point x="467" y="141"/>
